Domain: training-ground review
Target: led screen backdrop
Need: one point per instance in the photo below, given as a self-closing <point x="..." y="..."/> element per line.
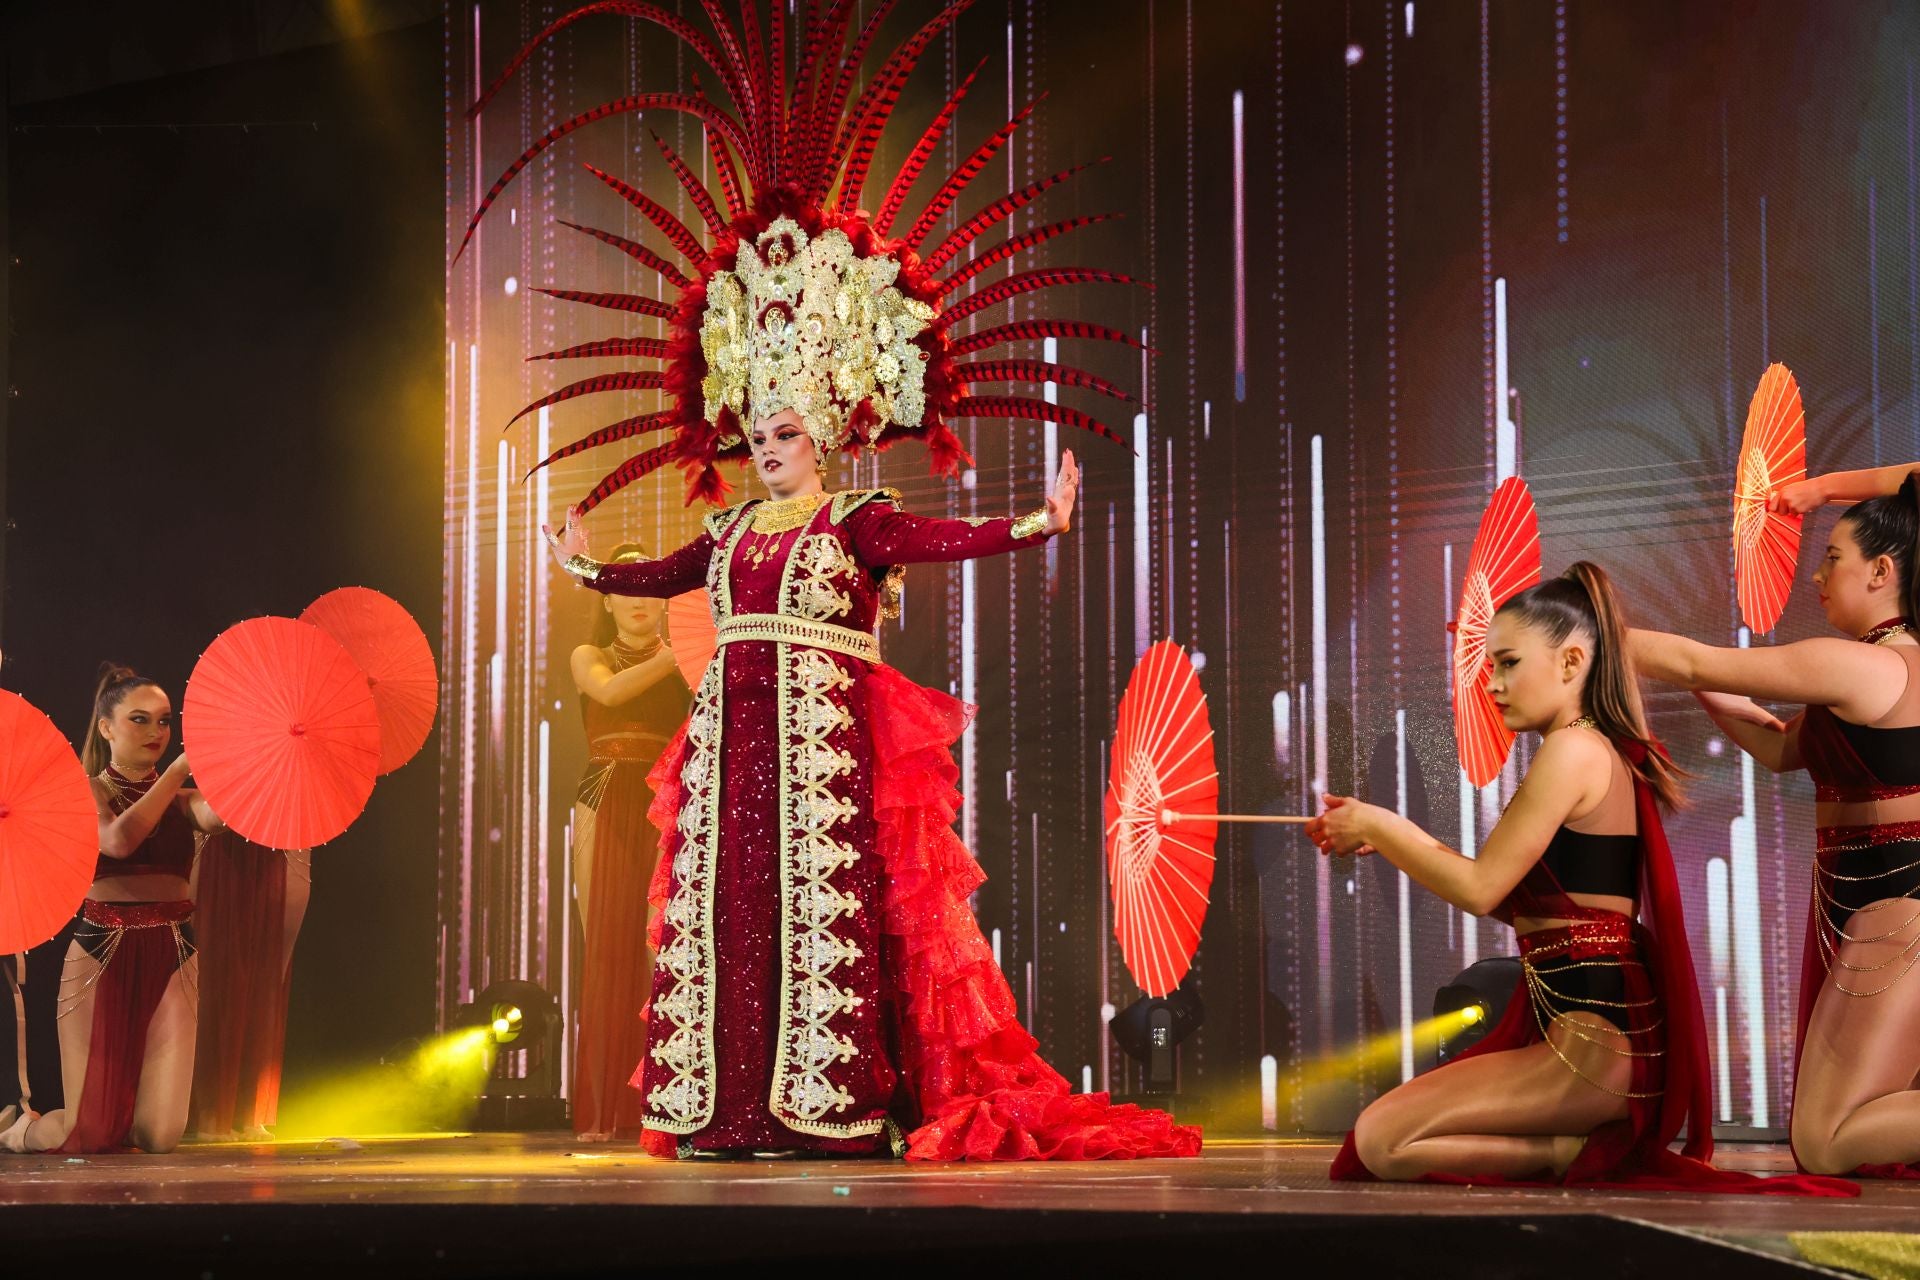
<point x="1402" y="250"/>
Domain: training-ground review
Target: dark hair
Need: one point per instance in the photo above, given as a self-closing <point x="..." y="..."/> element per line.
<point x="1583" y="599"/>
<point x="1890" y="526"/>
<point x="116" y="682"/>
<point x="604" y="630"/>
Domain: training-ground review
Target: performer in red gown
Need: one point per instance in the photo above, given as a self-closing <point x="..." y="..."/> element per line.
<point x="1855" y="1107"/>
<point x="820" y="982"/>
<point x="632" y="700"/>
<point x="1601" y="1058"/>
<point x="127" y="994"/>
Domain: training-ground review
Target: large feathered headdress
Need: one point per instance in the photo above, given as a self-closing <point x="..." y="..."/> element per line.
<point x="801" y="299"/>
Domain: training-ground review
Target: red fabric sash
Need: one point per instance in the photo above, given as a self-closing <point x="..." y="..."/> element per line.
<point x="125" y="996"/>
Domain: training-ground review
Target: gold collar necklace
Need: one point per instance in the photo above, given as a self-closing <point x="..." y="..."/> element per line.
<point x="1888" y="630"/>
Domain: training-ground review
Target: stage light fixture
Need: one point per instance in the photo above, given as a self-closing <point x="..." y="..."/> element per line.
<point x="1150" y="1030"/>
<point x="1479" y="995"/>
<point x="522" y="1022"/>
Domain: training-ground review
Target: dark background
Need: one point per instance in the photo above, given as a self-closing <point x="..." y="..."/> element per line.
<point x="224" y="363"/>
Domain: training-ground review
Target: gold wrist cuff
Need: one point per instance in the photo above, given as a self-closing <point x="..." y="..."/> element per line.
<point x="583" y="568"/>
<point x="1029" y="526"/>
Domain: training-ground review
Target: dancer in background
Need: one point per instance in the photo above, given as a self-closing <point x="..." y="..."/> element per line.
<point x="128" y="997"/>
<point x="1855" y="1107"/>
<point x="632" y="701"/>
<point x="1601" y="1059"/>
<point x="249" y="902"/>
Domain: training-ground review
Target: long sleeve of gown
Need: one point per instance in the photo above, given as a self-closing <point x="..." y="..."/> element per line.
<point x="883" y="534"/>
<point x="672" y="574"/>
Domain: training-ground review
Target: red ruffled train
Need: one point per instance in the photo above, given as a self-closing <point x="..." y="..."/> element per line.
<point x="979" y="1088"/>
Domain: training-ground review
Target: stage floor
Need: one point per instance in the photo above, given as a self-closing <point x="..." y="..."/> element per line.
<point x="411" y="1197"/>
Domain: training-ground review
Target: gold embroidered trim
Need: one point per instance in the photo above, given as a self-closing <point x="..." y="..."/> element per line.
<point x="683" y="1103"/>
<point x="584" y="568"/>
<point x="716" y="522"/>
<point x="851" y="500"/>
<point x="786" y="514"/>
<point x="779" y="628"/>
<point x="824" y="569"/>
<point x="1030" y="525"/>
<point x="802" y="1093"/>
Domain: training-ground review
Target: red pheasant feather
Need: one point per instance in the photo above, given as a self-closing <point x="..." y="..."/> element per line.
<point x="794" y="132"/>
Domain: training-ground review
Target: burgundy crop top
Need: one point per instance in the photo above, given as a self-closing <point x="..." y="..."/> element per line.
<point x="168" y="849"/>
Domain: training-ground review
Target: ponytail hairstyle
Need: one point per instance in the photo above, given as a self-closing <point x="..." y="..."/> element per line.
<point x="604" y="631"/>
<point x="1583" y="600"/>
<point x="1890" y="526"/>
<point x="116" y="682"/>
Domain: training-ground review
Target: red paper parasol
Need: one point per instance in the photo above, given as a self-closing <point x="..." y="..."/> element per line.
<point x="1773" y="454"/>
<point x="389" y="646"/>
<point x="49" y="830"/>
<point x="690" y="632"/>
<point x="282" y="732"/>
<point x="1505" y="561"/>
<point x="1163" y="769"/>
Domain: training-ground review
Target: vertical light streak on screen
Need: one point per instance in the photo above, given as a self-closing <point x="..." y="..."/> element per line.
<point x="1504" y="461"/>
<point x="1743" y="863"/>
<point x="1719" y="961"/>
<point x="1322" y="886"/>
<point x="1283" y="728"/>
<point x="1873" y="311"/>
<point x="498" y="770"/>
<point x="470" y="660"/>
<point x="1913" y="263"/>
<point x="1486" y="229"/>
<point x="1563" y="218"/>
<point x="1269" y="1092"/>
<point x="534" y="638"/>
<point x="1142" y="538"/>
<point x="1239" y="246"/>
<point x="1393" y="369"/>
<point x="1406" y="900"/>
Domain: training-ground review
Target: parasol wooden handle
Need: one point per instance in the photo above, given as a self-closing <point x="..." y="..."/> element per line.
<point x="1169" y="818"/>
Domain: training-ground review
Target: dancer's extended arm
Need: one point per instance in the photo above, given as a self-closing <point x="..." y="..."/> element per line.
<point x="1563" y="771"/>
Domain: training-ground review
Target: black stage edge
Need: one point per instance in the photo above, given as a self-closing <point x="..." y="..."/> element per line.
<point x="431" y="1240"/>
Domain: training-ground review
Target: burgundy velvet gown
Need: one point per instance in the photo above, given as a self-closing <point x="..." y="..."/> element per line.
<point x="820" y="983"/>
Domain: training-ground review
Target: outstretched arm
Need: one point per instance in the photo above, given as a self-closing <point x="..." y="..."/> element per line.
<point x="1562" y="773"/>
<point x="673" y="574"/>
<point x="1859" y="681"/>
<point x="1755" y="730"/>
<point x="1840" y="486"/>
<point x="884" y="535"/>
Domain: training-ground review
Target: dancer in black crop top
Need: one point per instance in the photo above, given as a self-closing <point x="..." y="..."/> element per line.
<point x="1604" y="996"/>
<point x="1854" y="1105"/>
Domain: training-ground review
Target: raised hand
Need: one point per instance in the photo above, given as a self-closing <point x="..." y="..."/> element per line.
<point x="1798" y="498"/>
<point x="1066" y="487"/>
<point x="570" y="541"/>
